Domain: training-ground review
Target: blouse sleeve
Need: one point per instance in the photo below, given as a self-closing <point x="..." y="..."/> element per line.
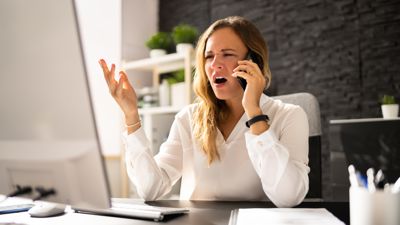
<point x="281" y="160"/>
<point x="153" y="177"/>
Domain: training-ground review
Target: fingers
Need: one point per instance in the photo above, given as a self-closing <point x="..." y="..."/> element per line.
<point x="249" y="66"/>
<point x="109" y="75"/>
<point x="249" y="71"/>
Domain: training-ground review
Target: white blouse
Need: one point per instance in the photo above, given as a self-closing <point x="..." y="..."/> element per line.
<point x="272" y="165"/>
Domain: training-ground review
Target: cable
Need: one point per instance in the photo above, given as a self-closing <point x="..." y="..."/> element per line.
<point x="44" y="192"/>
<point x="19" y="191"/>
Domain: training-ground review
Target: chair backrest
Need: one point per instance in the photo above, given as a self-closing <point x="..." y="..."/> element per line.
<point x="311" y="106"/>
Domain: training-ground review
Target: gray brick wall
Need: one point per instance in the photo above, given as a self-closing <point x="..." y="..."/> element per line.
<point x="345" y="52"/>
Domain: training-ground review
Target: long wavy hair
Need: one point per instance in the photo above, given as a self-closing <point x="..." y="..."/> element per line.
<point x="211" y="110"/>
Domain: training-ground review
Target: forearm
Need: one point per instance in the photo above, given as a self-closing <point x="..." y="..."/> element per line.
<point x="284" y="178"/>
<point x="132" y="122"/>
<point x="150" y="181"/>
<point x="288" y="189"/>
<point x="260" y="126"/>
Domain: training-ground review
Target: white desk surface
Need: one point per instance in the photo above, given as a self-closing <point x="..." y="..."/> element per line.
<point x="201" y="213"/>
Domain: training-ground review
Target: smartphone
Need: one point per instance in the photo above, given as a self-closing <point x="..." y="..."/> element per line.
<point x="255" y="58"/>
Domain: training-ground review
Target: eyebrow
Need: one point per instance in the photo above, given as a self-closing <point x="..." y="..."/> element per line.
<point x="223" y="50"/>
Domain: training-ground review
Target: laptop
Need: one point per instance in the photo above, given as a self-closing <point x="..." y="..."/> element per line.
<point x="369" y="142"/>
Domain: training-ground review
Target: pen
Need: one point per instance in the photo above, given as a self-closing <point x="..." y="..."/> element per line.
<point x="379" y="179"/>
<point x="354" y="182"/>
<point x="370" y="180"/>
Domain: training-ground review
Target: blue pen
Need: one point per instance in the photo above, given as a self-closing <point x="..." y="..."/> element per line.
<point x="362" y="180"/>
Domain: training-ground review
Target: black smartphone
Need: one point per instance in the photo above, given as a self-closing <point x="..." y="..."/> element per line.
<point x="253" y="57"/>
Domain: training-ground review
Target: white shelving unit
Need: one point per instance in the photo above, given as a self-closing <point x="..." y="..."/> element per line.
<point x="157" y="120"/>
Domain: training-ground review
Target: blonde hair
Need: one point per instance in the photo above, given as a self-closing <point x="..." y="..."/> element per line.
<point x="211" y="110"/>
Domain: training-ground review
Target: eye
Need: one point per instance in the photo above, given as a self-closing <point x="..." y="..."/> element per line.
<point x="207" y="57"/>
<point x="229" y="55"/>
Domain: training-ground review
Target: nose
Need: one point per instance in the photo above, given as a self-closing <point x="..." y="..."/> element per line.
<point x="216" y="63"/>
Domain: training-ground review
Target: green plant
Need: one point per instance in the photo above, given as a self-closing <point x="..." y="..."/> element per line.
<point x="184" y="33"/>
<point x="388" y="99"/>
<point x="160" y="40"/>
<point x="177" y="76"/>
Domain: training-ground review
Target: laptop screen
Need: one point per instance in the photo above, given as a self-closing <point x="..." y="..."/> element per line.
<point x="369" y="143"/>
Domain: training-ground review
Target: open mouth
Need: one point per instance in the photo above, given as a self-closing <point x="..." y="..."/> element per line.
<point x="220" y="80"/>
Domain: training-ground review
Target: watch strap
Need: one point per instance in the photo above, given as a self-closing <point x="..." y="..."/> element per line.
<point x="255" y="119"/>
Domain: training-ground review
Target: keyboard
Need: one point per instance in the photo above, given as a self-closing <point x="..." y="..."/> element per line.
<point x="135" y="210"/>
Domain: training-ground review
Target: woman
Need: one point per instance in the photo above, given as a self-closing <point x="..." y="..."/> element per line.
<point x="209" y="145"/>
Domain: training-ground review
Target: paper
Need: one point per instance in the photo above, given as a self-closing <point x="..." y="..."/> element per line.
<point x="282" y="216"/>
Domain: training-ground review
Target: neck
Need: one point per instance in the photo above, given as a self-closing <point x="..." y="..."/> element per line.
<point x="235" y="107"/>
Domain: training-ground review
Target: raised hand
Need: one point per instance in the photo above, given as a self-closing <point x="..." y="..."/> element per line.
<point x="122" y="91"/>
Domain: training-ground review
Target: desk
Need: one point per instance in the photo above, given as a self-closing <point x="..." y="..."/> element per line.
<point x="201" y="213"/>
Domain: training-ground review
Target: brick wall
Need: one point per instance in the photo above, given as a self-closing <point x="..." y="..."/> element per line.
<point x="346" y="53"/>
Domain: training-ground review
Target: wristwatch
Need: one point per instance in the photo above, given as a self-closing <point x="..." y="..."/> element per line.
<point x="256" y="119"/>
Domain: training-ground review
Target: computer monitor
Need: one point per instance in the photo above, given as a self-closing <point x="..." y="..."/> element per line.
<point x="368" y="143"/>
<point x="48" y="132"/>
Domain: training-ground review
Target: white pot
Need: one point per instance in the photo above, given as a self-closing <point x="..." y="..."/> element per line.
<point x="178" y="94"/>
<point x="183" y="47"/>
<point x="390" y="111"/>
<point x="157" y="52"/>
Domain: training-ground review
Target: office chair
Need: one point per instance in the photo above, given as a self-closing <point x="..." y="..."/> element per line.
<point x="310" y="105"/>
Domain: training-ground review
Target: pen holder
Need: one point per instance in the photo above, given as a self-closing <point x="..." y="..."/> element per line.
<point x="374" y="208"/>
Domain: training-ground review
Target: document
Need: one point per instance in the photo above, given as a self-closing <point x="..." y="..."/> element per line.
<point x="283" y="216"/>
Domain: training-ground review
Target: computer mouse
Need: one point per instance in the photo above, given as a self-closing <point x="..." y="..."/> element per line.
<point x="46" y="210"/>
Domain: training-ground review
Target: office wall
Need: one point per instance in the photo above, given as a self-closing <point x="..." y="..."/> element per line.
<point x="347" y="53"/>
<point x="139" y="22"/>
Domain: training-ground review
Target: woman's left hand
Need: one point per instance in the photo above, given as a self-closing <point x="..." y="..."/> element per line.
<point x="256" y="82"/>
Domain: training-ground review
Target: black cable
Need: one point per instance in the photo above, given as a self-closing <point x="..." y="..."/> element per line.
<point x="20" y="191"/>
<point x="44" y="192"/>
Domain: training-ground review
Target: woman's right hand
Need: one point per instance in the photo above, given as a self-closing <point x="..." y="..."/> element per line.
<point x="123" y="93"/>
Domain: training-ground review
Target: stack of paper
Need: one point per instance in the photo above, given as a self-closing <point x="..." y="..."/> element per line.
<point x="281" y="216"/>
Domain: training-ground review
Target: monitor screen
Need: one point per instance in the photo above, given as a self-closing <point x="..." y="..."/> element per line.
<point x="369" y="143"/>
<point x="48" y="133"/>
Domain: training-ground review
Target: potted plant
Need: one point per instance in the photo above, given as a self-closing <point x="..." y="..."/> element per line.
<point x="184" y="37"/>
<point x="159" y="43"/>
<point x="178" y="91"/>
<point x="390" y="109"/>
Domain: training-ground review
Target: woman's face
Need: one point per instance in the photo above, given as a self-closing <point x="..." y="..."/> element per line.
<point x="223" y="51"/>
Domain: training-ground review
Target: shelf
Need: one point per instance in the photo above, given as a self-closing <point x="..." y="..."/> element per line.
<point x="159" y="110"/>
<point x="163" y="64"/>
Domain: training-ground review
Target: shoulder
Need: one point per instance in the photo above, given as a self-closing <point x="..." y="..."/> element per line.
<point x="186" y="113"/>
<point x="187" y="110"/>
<point x="279" y="111"/>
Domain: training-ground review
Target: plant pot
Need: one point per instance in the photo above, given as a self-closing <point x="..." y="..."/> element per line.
<point x="390" y="111"/>
<point x="183" y="47"/>
<point x="178" y="95"/>
<point x="157" y="53"/>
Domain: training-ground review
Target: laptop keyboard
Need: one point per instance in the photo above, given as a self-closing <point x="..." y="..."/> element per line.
<point x="139" y="207"/>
